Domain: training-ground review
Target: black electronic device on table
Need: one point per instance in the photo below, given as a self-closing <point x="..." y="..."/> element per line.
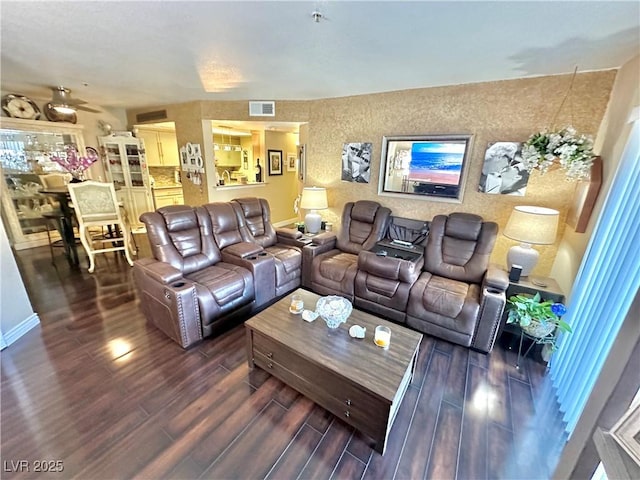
<point x="514" y="273"/>
<point x="405" y="239"/>
<point x="391" y="250"/>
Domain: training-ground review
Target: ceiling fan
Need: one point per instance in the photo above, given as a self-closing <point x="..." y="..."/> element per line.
<point x="63" y="104"/>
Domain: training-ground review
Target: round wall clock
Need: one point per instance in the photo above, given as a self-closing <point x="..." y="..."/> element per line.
<point x="54" y="116"/>
<point x="19" y="106"/>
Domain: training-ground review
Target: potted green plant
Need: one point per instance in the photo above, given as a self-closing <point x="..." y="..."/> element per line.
<point x="537" y="318"/>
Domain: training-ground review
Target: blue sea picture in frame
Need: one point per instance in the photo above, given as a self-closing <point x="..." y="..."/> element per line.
<point x="427" y="167"/>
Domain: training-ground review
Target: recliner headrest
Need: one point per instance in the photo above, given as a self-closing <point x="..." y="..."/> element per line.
<point x="179" y="217"/>
<point x="465" y="226"/>
<point x="250" y="206"/>
<point x="364" y="211"/>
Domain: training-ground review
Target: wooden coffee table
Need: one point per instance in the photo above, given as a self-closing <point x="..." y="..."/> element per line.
<point x="352" y="378"/>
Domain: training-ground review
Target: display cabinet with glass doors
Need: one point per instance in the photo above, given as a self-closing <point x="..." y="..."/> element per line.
<point x="26" y="148"/>
<point x="125" y="163"/>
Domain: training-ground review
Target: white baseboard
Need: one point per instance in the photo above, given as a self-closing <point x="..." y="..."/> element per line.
<point x="19" y="330"/>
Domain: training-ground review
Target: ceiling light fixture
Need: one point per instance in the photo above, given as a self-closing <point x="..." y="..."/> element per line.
<point x="64" y="109"/>
<point x="317" y="16"/>
<point x="60" y="101"/>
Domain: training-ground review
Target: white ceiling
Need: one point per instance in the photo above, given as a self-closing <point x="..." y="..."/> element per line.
<point x="137" y="54"/>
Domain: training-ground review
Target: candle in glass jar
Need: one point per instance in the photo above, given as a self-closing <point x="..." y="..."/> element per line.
<point x="382" y="336"/>
<point x="297" y="304"/>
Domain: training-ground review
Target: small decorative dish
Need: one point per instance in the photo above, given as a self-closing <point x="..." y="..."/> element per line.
<point x="356" y="331"/>
<point x="309" y="315"/>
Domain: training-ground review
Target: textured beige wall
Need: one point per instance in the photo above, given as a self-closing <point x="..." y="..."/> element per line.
<point x="192" y="121"/>
<point x="611" y="141"/>
<point x="493" y="111"/>
<point x="282" y="189"/>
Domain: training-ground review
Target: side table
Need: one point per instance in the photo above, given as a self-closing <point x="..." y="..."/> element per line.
<point x="548" y="289"/>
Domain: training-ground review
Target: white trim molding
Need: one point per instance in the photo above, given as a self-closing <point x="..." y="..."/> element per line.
<point x="22" y="328"/>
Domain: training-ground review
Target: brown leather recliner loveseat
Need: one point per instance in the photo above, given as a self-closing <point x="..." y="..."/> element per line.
<point x="208" y="270"/>
<point x="448" y="290"/>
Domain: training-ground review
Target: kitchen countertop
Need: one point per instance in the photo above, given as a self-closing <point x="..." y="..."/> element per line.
<point x="239" y="184"/>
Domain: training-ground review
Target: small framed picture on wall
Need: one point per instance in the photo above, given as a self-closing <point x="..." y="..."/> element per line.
<point x="275" y="162"/>
<point x="291" y="162"/>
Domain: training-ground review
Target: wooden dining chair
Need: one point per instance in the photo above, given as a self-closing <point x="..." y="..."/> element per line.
<point x="96" y="205"/>
<point x="54" y="180"/>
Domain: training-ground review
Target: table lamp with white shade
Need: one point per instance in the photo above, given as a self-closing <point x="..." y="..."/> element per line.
<point x="531" y="226"/>
<point x="313" y="199"/>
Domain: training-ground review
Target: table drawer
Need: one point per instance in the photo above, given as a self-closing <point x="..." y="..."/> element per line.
<point x="337" y="387"/>
<point x="371" y="422"/>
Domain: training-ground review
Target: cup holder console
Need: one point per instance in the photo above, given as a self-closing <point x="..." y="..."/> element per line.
<point x="178" y="284"/>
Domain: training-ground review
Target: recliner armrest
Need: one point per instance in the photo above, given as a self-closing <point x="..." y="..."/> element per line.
<point x="492" y="305"/>
<point x="288" y="233"/>
<point x="160" y="271"/>
<point x="243" y="249"/>
<point x="262" y="267"/>
<point x="291" y="237"/>
<point x="325" y="238"/>
<point x="390" y="268"/>
<point x="294" y="242"/>
<point x="311" y="251"/>
<point x="168" y="301"/>
<point x="496" y="278"/>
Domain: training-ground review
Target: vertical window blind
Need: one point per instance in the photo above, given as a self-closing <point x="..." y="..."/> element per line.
<point x="606" y="284"/>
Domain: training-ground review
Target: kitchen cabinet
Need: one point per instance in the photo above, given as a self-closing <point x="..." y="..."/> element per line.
<point x="26" y="148"/>
<point x="126" y="166"/>
<point x="140" y="201"/>
<point x="167" y="196"/>
<point x="228" y="150"/>
<point x="161" y="147"/>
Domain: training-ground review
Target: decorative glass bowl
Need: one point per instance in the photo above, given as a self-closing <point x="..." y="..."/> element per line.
<point x="334" y="310"/>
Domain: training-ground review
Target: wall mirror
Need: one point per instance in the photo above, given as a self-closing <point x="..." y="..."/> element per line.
<point x="428" y="167"/>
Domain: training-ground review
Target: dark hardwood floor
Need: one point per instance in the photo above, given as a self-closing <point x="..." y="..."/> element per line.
<point x="106" y="395"/>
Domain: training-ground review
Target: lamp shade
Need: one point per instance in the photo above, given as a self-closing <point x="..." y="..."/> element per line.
<point x="530" y="225"/>
<point x="314" y="198"/>
<point x="533" y="225"/>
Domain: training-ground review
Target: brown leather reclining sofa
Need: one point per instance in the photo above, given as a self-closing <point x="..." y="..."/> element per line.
<point x="209" y="261"/>
<point x="443" y="286"/>
<point x="213" y="265"/>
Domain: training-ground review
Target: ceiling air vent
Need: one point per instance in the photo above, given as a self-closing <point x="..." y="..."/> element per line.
<point x="149" y="116"/>
<point x="262" y="109"/>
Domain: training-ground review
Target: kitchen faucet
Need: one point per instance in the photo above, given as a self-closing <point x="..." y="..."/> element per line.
<point x="226" y="172"/>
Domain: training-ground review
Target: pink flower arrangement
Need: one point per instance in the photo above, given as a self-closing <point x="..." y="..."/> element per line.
<point x="73" y="163"/>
